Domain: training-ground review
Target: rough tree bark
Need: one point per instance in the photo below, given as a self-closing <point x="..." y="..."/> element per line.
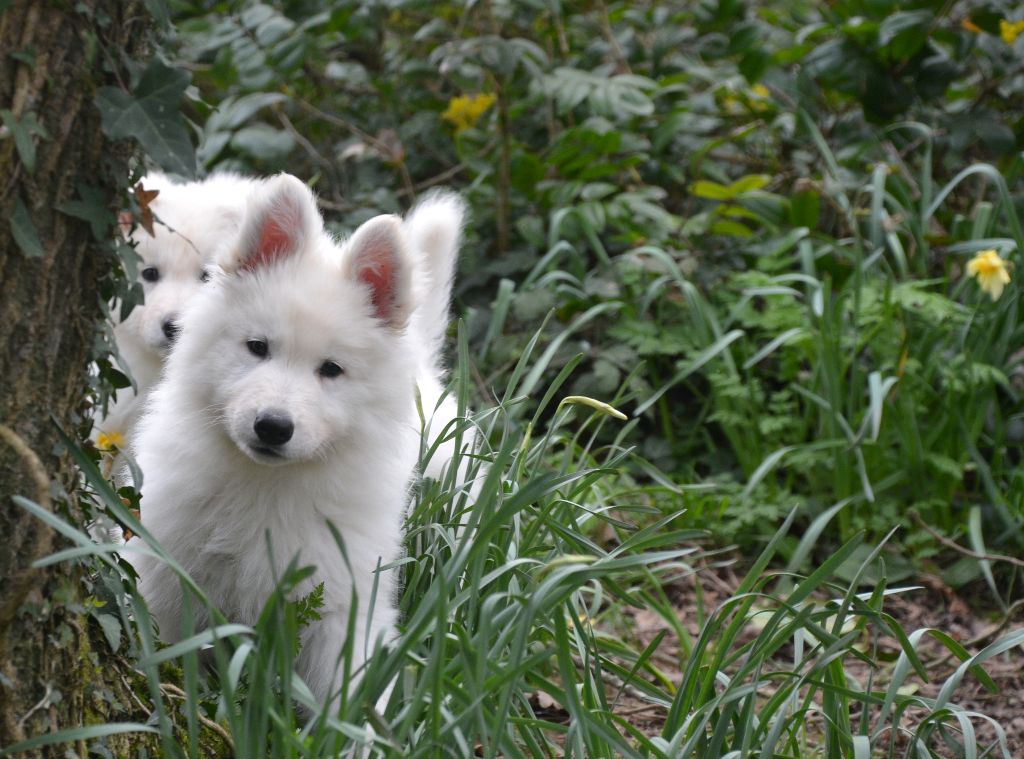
<point x="56" y="671"/>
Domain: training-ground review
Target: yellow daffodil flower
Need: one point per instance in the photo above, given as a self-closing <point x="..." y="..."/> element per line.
<point x="465" y="110"/>
<point x="1010" y="30"/>
<point x="109" y="441"/>
<point x="991" y="272"/>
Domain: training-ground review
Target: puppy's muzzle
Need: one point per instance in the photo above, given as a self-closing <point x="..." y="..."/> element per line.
<point x="170" y="329"/>
<point x="273" y="427"/>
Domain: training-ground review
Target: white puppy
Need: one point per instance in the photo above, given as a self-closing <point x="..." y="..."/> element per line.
<point x="287" y="403"/>
<point x="193" y="222"/>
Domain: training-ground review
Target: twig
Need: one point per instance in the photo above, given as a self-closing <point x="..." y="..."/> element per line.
<point x="613" y="44"/>
<point x="504" y="168"/>
<point x="639" y="710"/>
<point x="138" y="701"/>
<point x="444" y="176"/>
<point x="959" y="548"/>
<point x="380" y="147"/>
<point x="332" y="205"/>
<point x="1003" y="624"/>
<point x="43" y="702"/>
<point x="170" y="690"/>
<point x="301" y="139"/>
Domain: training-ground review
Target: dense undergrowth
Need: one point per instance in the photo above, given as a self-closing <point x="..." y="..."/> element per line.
<point x="752" y="220"/>
<point x="746" y="225"/>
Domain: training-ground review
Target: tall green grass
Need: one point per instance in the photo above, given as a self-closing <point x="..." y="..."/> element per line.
<point x="516" y="595"/>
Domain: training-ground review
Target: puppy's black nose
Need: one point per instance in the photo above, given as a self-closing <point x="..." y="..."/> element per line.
<point x="171" y="329"/>
<point x="273" y="428"/>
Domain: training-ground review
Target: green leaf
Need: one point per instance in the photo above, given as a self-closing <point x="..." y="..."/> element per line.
<point x="730" y="228"/>
<point x="111" y="629"/>
<point x="805" y="209"/>
<point x="350" y="72"/>
<point x="307" y="608"/>
<point x="25" y="232"/>
<point x="158" y="10"/>
<point x="150" y="115"/>
<point x="92" y="206"/>
<point x="904" y="33"/>
<point x="263" y="142"/>
<point x="74" y="734"/>
<point x="744" y="37"/>
<point x="231" y="113"/>
<point x="23" y="131"/>
<point x="749" y="183"/>
<point x="711" y="190"/>
<point x="754" y="64"/>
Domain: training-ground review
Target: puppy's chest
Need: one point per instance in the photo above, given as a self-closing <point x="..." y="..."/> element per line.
<point x="245" y="537"/>
<point x="239" y="563"/>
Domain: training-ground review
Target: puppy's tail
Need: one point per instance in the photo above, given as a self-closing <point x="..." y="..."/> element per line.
<point x="434" y="231"/>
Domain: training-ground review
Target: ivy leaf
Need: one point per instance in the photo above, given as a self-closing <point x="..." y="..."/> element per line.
<point x="24" y="231"/>
<point x="111" y="626"/>
<point x="150" y="114"/>
<point x="92" y="206"/>
<point x="23" y="131"/>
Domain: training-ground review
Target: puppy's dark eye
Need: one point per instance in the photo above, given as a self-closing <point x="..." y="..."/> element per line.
<point x="257" y="347"/>
<point x="330" y="370"/>
<point x="151" y="274"/>
<point x="205" y="276"/>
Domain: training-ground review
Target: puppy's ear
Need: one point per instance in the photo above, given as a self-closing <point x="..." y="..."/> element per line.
<point x="377" y="258"/>
<point x="281" y="218"/>
<point x="125" y="222"/>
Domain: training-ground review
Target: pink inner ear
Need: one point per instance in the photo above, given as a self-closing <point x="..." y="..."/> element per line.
<point x="379" y="273"/>
<point x="274" y="243"/>
<point x="125" y="220"/>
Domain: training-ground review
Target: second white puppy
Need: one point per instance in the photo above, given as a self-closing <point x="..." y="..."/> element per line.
<point x="287" y="403"/>
<point x="194" y="221"/>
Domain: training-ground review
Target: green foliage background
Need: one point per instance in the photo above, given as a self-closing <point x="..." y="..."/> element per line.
<point x="751" y="219"/>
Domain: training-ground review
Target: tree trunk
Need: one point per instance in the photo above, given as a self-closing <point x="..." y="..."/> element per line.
<point x="56" y="671"/>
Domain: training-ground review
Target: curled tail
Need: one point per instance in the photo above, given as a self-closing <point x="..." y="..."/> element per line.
<point x="434" y="230"/>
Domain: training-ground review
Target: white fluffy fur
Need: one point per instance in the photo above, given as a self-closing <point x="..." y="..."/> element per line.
<point x="211" y="496"/>
<point x="194" y="221"/>
<point x="434" y="228"/>
<point x="199" y="222"/>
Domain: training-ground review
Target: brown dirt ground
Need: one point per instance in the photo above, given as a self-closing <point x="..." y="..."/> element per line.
<point x="935" y="605"/>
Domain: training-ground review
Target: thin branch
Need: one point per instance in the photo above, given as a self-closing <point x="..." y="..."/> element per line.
<point x="301" y="139"/>
<point x="959" y="548"/>
<point x="997" y="629"/>
<point x="383" y="149"/>
<point x="43" y="703"/>
<point x="606" y="29"/>
<point x="170" y="690"/>
<point x="441" y="178"/>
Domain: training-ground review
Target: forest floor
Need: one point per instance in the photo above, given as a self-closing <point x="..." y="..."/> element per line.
<point x="932" y="605"/>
